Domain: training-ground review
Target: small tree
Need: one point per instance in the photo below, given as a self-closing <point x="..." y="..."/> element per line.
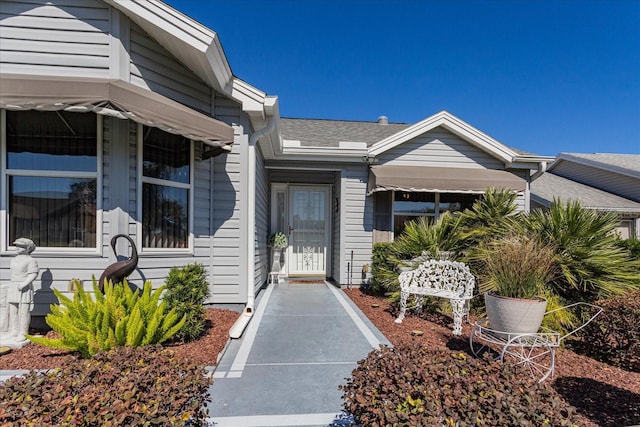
<point x="187" y="290"/>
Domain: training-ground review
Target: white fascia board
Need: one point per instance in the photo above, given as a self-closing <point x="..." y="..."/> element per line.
<point x="334" y="154"/>
<point x="352" y="145"/>
<point x="454" y="125"/>
<point x="529" y="162"/>
<point x="252" y="99"/>
<point x="192" y="43"/>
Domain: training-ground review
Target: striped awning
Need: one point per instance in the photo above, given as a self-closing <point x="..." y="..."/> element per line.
<point x="440" y="179"/>
<point x="115" y="98"/>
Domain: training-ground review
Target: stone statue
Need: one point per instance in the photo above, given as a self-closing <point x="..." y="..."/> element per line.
<point x="16" y="297"/>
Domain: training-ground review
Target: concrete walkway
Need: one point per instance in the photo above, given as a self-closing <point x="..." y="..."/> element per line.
<point x="302" y="342"/>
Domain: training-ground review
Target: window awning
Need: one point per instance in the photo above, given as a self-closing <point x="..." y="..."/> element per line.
<point x="440" y="180"/>
<point x="114" y="98"/>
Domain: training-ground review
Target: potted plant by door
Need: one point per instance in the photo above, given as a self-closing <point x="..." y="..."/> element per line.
<point x="515" y="271"/>
<point x="278" y="241"/>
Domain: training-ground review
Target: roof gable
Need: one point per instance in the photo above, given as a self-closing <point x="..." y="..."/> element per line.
<point x="192" y="43"/>
<point x="454" y="125"/>
<point x="196" y="46"/>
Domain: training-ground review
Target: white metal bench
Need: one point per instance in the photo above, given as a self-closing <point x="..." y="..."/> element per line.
<point x="444" y="279"/>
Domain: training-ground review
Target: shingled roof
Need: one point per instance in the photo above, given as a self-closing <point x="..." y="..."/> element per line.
<point x="549" y="186"/>
<point x="329" y="133"/>
<point x="627" y="164"/>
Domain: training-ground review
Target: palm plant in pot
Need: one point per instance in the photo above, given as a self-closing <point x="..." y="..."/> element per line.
<point x="515" y="271"/>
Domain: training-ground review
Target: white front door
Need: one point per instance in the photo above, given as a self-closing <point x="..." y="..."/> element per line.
<point x="309" y="226"/>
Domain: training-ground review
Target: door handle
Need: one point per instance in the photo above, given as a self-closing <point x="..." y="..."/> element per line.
<point x="291" y="229"/>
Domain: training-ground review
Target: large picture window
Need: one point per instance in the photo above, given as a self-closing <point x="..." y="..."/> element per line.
<point x="166" y="189"/>
<point x="408" y="206"/>
<point x="52" y="177"/>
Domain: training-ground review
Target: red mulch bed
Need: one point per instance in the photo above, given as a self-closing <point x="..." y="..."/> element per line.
<point x="604" y="395"/>
<point x="203" y="351"/>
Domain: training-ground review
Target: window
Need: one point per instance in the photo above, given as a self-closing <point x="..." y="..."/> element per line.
<point x="166" y="189"/>
<point x="51" y="164"/>
<point x="408" y="206"/>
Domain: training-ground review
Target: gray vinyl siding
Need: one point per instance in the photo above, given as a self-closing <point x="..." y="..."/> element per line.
<point x="70" y="38"/>
<point x="439" y="148"/>
<point x="154" y="68"/>
<point x="262" y="221"/>
<point x="621" y="185"/>
<point x="225" y="273"/>
<point x="357" y="220"/>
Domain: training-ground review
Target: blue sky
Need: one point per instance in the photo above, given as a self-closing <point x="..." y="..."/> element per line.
<point x="542" y="76"/>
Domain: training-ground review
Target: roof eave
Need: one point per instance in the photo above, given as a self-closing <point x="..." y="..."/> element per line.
<point x="195" y="45"/>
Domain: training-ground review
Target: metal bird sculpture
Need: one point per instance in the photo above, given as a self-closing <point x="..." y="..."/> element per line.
<point x="118" y="271"/>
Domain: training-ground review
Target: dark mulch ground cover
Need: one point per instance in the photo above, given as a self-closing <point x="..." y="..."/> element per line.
<point x="604" y="395"/>
<point x="203" y="351"/>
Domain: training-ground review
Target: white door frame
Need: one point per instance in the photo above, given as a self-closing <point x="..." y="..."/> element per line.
<point x="286" y="189"/>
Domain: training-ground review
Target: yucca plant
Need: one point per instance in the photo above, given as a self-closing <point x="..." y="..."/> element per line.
<point x="119" y="317"/>
<point x="431" y="239"/>
<point x="591" y="265"/>
<point x="491" y="216"/>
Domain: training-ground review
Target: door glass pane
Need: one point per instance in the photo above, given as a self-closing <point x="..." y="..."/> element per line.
<point x="308" y="235"/>
<point x="280" y="212"/>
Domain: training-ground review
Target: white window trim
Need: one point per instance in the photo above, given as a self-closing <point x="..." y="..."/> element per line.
<point x="5" y="247"/>
<point x="189" y="250"/>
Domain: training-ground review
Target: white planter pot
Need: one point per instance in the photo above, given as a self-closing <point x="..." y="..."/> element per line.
<point x="514" y="315"/>
<point x="275" y="265"/>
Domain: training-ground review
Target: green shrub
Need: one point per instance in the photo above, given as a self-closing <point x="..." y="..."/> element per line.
<point x="413" y="385"/>
<point x="614" y="336"/>
<point x="123" y="387"/>
<point x="632" y="245"/>
<point x="116" y="318"/>
<point x="187" y="289"/>
<point x="381" y="264"/>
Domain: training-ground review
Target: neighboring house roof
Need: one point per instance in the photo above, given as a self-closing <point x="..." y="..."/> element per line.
<point x="549" y="186"/>
<point x="625" y="164"/>
<point x="329" y="133"/>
